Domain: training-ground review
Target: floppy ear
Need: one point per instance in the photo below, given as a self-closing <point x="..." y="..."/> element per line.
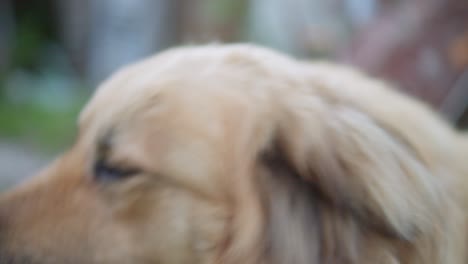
<point x="332" y="163"/>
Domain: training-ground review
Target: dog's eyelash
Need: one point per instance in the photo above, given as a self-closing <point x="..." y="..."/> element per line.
<point x="105" y="172"/>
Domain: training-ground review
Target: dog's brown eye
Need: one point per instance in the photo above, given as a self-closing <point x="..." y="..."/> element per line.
<point x="105" y="172"/>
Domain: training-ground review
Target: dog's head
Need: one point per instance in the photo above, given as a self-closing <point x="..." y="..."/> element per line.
<point x="226" y="155"/>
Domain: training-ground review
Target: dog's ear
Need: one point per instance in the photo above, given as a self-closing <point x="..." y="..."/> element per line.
<point x="327" y="159"/>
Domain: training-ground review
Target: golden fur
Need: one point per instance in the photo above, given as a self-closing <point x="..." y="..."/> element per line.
<point x="237" y="154"/>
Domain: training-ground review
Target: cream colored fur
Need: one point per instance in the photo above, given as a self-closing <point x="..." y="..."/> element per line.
<point x="240" y="154"/>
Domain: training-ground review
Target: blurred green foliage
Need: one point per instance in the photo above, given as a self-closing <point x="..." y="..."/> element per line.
<point x="34" y="30"/>
<point x="224" y="11"/>
<point x="31" y="120"/>
<point x="41" y="126"/>
<point x="28" y="44"/>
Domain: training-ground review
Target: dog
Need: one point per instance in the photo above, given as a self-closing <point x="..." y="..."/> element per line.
<point x="235" y="153"/>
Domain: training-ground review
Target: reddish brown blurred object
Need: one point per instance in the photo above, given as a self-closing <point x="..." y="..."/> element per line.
<point x="458" y="51"/>
<point x="422" y="46"/>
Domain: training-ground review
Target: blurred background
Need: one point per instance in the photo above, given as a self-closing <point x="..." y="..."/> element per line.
<point x="53" y="53"/>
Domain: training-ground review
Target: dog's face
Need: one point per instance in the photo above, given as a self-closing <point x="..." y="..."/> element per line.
<point x="144" y="183"/>
<point x="223" y="155"/>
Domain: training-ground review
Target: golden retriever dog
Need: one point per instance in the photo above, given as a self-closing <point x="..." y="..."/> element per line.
<point x="237" y="154"/>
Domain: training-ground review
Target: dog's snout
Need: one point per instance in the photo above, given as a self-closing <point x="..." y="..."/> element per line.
<point x="12" y="244"/>
<point x="3" y="220"/>
<point x="3" y="233"/>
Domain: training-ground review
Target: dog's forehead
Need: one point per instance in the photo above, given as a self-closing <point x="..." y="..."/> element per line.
<point x="197" y="84"/>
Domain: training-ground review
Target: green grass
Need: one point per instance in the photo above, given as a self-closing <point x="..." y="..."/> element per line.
<point x="46" y="128"/>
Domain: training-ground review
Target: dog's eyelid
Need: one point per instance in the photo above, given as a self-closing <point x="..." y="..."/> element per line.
<point x="104" y="171"/>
